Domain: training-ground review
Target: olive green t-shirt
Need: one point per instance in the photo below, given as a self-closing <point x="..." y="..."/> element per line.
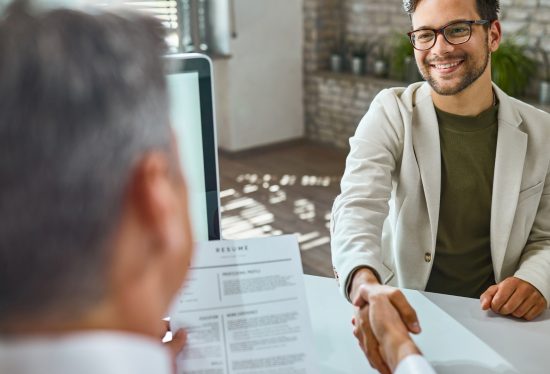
<point x="462" y="262"/>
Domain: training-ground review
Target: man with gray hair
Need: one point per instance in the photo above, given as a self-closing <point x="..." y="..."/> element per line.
<point x="95" y="238"/>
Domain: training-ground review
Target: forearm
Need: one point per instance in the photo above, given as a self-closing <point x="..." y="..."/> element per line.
<point x="359" y="212"/>
<point x="534" y="263"/>
<point x="534" y="267"/>
<point x="396" y="352"/>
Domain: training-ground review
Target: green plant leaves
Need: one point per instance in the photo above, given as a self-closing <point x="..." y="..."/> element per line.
<point x="401" y="49"/>
<point x="511" y="68"/>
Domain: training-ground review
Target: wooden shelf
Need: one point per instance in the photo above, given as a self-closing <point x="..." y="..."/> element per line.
<point x="346" y="76"/>
<point x="349" y="77"/>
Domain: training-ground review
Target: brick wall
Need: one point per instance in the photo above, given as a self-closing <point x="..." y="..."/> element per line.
<point x="334" y="103"/>
<point x="322" y="30"/>
<point x="362" y="18"/>
<point x="340" y="101"/>
<point x="530" y="17"/>
<point x="372" y="19"/>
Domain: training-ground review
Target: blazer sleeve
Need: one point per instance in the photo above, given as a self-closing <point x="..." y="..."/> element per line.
<point x="534" y="266"/>
<point x="359" y="212"/>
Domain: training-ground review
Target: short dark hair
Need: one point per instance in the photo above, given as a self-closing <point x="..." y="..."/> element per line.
<point x="487" y="9"/>
<point x="82" y="98"/>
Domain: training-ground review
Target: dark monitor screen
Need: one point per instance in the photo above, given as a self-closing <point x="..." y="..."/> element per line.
<point x="189" y="78"/>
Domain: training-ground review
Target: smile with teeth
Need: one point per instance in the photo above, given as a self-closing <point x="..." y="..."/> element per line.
<point x="447" y="65"/>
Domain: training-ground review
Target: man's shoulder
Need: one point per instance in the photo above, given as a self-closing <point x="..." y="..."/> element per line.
<point x="530" y="112"/>
<point x="519" y="112"/>
<point x="391" y="109"/>
<point x="401" y="96"/>
<point x="97" y="351"/>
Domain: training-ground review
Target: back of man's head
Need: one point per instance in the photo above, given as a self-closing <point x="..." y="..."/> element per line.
<point x="82" y="96"/>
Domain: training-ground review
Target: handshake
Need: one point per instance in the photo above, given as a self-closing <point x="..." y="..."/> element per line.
<point x="384" y="319"/>
<point x="382" y="323"/>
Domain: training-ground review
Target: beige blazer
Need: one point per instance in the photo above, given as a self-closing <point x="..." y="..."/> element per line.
<point x="386" y="216"/>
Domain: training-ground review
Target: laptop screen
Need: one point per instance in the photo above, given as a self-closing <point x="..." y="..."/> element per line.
<point x="192" y="116"/>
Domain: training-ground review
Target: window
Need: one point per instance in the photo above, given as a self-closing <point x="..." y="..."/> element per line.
<point x="193" y="25"/>
<point x="166" y="10"/>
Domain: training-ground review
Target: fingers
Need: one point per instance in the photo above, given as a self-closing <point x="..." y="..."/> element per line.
<point x="408" y="314"/>
<point x="367" y="341"/>
<point x="373" y="353"/>
<point x="487" y="297"/>
<point x="361" y="296"/>
<point x="163" y="329"/>
<point x="396" y="297"/>
<point x="505" y="290"/>
<point x="383" y="316"/>
<point x="516" y="297"/>
<point x="177" y="343"/>
<point x="359" y="337"/>
<point x="538" y="306"/>
<point x="525" y="307"/>
<point x="534" y="312"/>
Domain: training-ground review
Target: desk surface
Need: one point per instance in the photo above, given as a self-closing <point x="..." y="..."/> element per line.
<point x="458" y="336"/>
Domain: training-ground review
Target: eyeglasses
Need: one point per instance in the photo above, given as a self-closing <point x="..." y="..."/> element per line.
<point x="458" y="32"/>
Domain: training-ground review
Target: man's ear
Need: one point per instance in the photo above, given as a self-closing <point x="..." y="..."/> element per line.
<point x="152" y="196"/>
<point x="495" y="35"/>
<point x="152" y="244"/>
<point x="140" y="241"/>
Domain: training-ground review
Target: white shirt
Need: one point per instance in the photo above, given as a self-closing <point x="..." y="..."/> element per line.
<point x="84" y="353"/>
<point x="414" y="364"/>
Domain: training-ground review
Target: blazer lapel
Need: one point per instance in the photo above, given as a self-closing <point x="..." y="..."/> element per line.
<point x="428" y="154"/>
<point x="509" y="161"/>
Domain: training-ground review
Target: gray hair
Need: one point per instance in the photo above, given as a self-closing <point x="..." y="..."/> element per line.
<point x="82" y="98"/>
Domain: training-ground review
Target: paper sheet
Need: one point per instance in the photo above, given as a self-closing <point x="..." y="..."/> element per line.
<point x="244" y="308"/>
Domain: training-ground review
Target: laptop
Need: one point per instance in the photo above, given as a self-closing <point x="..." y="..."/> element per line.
<point x="189" y="79"/>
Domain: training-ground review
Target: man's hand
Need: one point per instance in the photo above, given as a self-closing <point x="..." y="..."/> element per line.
<point x="176" y="344"/>
<point x="515" y="297"/>
<point x="367" y="341"/>
<point x="390" y="331"/>
<point x="365" y="286"/>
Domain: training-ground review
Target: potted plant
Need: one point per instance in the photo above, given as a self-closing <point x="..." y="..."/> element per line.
<point x="381" y="60"/>
<point x="512" y="68"/>
<point x="337" y="58"/>
<point x="403" y="65"/>
<point x="358" y="58"/>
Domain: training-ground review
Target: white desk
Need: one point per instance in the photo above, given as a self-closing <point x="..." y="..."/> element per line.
<point x="457" y="336"/>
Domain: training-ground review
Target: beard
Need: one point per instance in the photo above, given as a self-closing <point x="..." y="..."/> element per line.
<point x="472" y="72"/>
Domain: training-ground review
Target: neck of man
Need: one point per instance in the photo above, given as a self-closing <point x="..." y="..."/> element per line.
<point x="471" y="101"/>
<point x="61" y="322"/>
<point x="102" y="317"/>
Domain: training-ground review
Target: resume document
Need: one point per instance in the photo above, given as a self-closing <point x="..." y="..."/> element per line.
<point x="244" y="309"/>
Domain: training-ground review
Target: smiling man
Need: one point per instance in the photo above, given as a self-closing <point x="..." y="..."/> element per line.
<point x="447" y="183"/>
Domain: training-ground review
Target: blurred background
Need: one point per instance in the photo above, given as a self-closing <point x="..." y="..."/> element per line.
<point x="292" y="80"/>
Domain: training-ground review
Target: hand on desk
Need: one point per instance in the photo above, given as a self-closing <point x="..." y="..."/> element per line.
<point x="382" y="322"/>
<point x="514" y="296"/>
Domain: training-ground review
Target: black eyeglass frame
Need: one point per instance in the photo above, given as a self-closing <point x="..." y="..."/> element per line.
<point x="442" y="32"/>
